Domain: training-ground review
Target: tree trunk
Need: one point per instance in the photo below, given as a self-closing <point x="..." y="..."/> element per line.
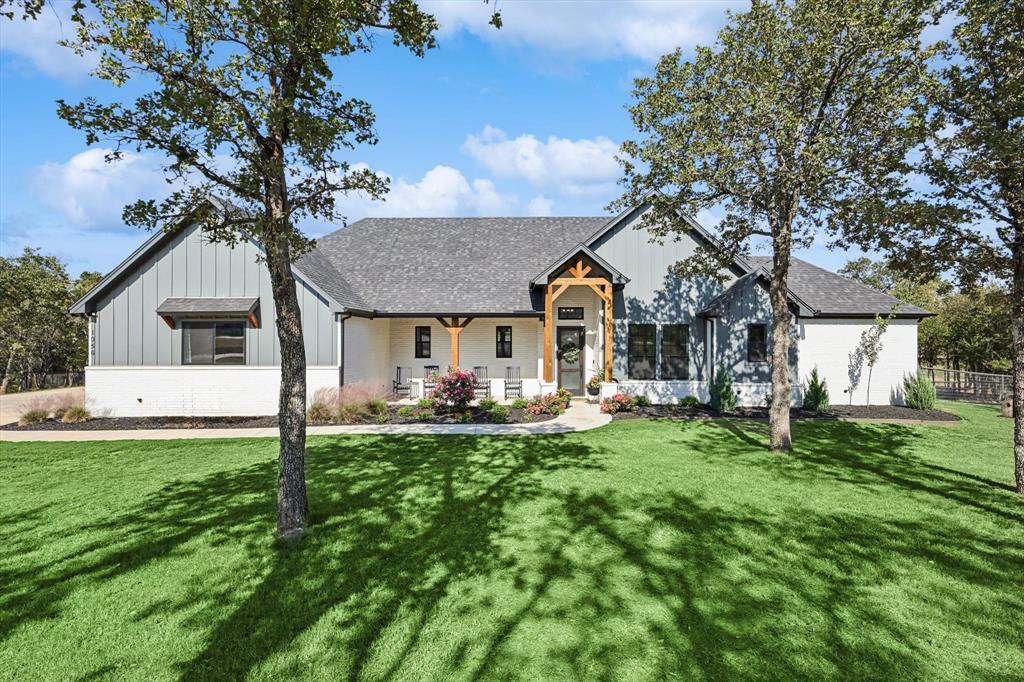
<point x="7" y="373"/>
<point x="1018" y="370"/>
<point x="778" y="413"/>
<point x="292" y="505"/>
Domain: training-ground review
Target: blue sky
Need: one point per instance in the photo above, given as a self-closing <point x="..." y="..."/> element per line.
<point x="522" y="121"/>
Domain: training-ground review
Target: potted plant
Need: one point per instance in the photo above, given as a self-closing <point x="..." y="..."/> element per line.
<point x="594" y="385"/>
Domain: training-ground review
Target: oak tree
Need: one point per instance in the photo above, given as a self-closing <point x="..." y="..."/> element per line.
<point x="795" y="109"/>
<point x="243" y="98"/>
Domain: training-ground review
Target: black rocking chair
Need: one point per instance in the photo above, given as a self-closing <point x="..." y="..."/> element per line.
<point x="481" y="385"/>
<point x="402" y="385"/>
<point x="430" y="373"/>
<point x="513" y="383"/>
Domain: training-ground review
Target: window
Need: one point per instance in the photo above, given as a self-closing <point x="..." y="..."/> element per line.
<point x="423" y="342"/>
<point x="503" y="342"/>
<point x="213" y="343"/>
<point x="757" y="343"/>
<point x="570" y="313"/>
<point x="642" y="352"/>
<point x="675" y="351"/>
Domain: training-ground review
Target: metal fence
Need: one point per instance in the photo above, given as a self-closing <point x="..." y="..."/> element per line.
<point x="975" y="387"/>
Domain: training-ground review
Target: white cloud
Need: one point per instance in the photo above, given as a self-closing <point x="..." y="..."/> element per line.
<point x="589" y="28"/>
<point x="539" y="206"/>
<point x="573" y="167"/>
<point x="442" y="191"/>
<point x="91" y="193"/>
<point x="35" y="42"/>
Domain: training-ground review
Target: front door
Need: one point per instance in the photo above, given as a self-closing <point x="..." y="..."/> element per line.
<point x="570" y="349"/>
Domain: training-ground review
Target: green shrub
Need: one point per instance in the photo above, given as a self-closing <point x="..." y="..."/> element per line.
<point x="487" y="404"/>
<point x="641" y="401"/>
<point x="918" y="392"/>
<point x="383" y="417"/>
<point x="520" y="404"/>
<point x="34" y="416"/>
<point x="349" y="413"/>
<point x="75" y="414"/>
<point x="689" y="401"/>
<point x="426" y="403"/>
<point x="816" y="393"/>
<point x="424" y="416"/>
<point x="405" y="411"/>
<point x="723" y="397"/>
<point x="498" y="414"/>
<point x="465" y="417"/>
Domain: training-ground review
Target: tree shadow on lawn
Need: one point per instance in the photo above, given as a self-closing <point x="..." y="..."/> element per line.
<point x="871" y="456"/>
<point x="458" y="557"/>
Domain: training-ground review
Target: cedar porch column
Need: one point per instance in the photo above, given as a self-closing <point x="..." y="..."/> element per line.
<point x="454" y="329"/>
<point x="549" y="335"/>
<point x="608" y="331"/>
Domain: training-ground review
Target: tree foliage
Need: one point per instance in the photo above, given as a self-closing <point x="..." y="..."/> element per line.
<point x="784" y="124"/>
<point x="37" y="335"/>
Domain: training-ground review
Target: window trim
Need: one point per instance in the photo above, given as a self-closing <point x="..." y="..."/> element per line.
<point x="662" y="365"/>
<point x="563" y="312"/>
<point x="421" y="347"/>
<point x="184" y="324"/>
<point x="764" y="341"/>
<point x="653" y="355"/>
<point x="500" y="352"/>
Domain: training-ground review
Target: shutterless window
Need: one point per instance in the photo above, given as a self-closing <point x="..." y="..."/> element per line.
<point x="675" y="353"/>
<point x="213" y="343"/>
<point x="642" y="352"/>
<point x="503" y="342"/>
<point x="757" y="343"/>
<point x="570" y="313"/>
<point x="423" y="342"/>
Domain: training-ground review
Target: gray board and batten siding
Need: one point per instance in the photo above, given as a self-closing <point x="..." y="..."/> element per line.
<point x="655" y="295"/>
<point x="129" y="332"/>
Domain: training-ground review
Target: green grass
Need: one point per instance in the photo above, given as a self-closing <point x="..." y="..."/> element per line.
<point x="643" y="550"/>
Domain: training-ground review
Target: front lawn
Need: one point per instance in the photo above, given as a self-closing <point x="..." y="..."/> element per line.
<point x="642" y="550"/>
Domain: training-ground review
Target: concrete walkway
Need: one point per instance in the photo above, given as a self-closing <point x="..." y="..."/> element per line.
<point x="582" y="416"/>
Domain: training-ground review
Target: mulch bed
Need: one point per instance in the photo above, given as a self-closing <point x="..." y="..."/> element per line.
<point x="138" y="423"/>
<point x="834" y="412"/>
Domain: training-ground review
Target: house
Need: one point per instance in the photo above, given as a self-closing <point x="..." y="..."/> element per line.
<point x="185" y="326"/>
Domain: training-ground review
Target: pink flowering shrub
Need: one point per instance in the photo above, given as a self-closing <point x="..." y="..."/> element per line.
<point x="454" y="391"/>
<point x="620" y="402"/>
<point x="552" y="403"/>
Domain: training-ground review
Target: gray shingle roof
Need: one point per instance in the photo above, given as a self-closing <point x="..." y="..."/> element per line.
<point x="208" y="304"/>
<point x="832" y="294"/>
<point x="443" y="265"/>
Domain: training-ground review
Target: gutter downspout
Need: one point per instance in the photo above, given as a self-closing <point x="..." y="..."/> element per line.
<point x="341" y="317"/>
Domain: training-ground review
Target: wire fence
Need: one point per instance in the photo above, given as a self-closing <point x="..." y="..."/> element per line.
<point x="28" y="381"/>
<point x="974" y="387"/>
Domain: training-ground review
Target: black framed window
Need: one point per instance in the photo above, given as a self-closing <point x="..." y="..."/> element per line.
<point x="570" y="313"/>
<point x="642" y="357"/>
<point x="675" y="351"/>
<point x="503" y="342"/>
<point x="423" y="342"/>
<point x="757" y="343"/>
<point x="212" y="343"/>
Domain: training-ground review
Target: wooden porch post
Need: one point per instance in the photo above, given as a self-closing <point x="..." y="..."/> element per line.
<point x="454" y="329"/>
<point x="549" y="334"/>
<point x="609" y="324"/>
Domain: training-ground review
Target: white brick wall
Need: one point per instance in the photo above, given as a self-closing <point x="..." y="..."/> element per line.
<point x="827" y="344"/>
<point x="476" y="345"/>
<point x="669" y="392"/>
<point x="192" y="390"/>
<point x="366" y="352"/>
